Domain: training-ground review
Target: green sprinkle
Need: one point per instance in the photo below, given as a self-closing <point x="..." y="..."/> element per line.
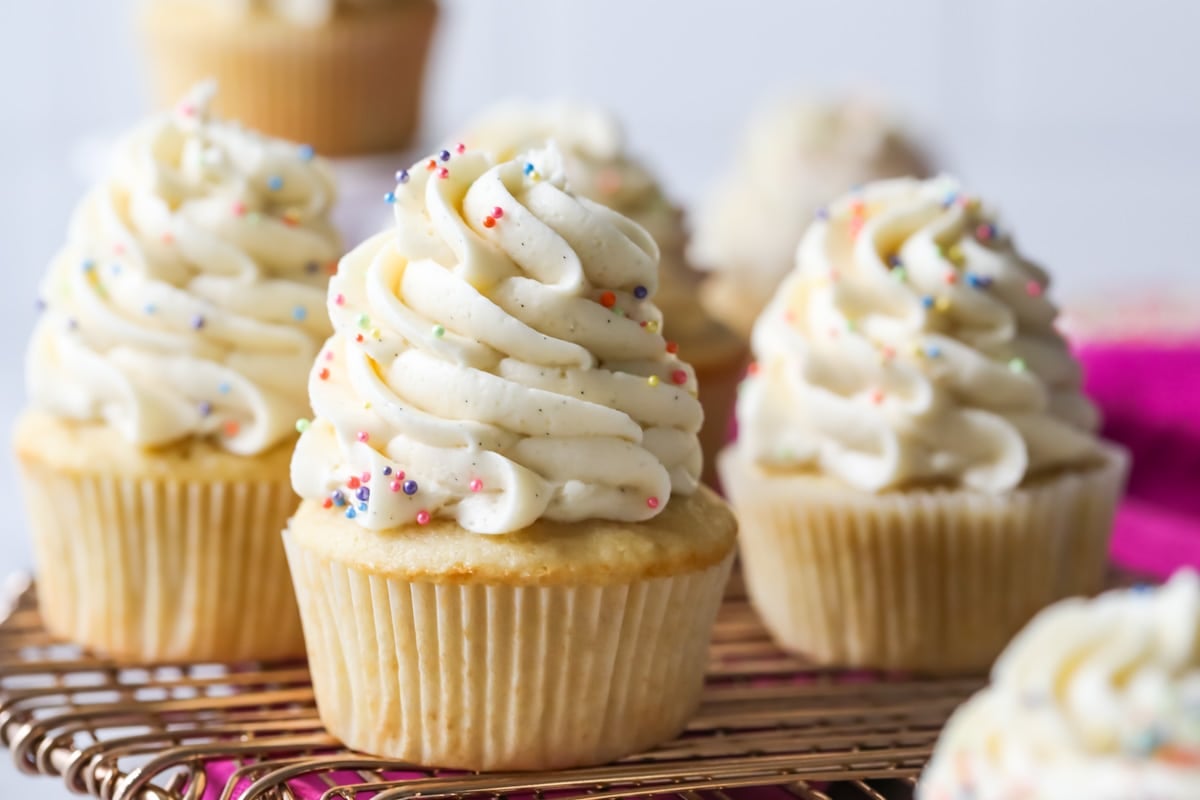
<point x="900" y="274"/>
<point x="302" y="425"/>
<point x="364" y="321"/>
<point x="438" y="331"/>
<point x="1017" y="365"/>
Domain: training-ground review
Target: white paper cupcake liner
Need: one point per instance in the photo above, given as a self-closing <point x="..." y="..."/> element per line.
<point x="160" y="570"/>
<point x="934" y="580"/>
<point x="499" y="677"/>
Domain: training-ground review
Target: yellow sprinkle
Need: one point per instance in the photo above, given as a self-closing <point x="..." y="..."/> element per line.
<point x="652" y="380"/>
<point x="375" y="333"/>
<point x="955" y="253"/>
<point x="652" y="326"/>
<point x="535" y="176"/>
<point x="916" y="350"/>
<point x="942" y="304"/>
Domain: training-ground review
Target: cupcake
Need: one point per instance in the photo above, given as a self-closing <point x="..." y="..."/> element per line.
<point x="599" y="168"/>
<point x="504" y="559"/>
<point x="795" y="157"/>
<point x="1095" y="699"/>
<point x="342" y="75"/>
<point x="918" y="472"/>
<point x="165" y="377"/>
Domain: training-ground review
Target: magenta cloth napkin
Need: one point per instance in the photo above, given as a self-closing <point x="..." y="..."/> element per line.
<point x="1149" y="393"/>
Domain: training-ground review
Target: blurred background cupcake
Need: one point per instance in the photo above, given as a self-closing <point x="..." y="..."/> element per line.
<point x="344" y="76"/>
<point x="164" y="379"/>
<point x="794" y="157"/>
<point x="918" y="470"/>
<point x="600" y="168"/>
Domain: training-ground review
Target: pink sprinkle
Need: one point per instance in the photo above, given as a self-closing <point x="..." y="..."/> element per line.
<point x="239" y="208"/>
<point x="422" y="517"/>
<point x="477" y="485"/>
<point x="187" y="109"/>
<point x="1034" y="289"/>
<point x="340" y="299"/>
<point x="462" y="148"/>
<point x="443" y="173"/>
<point x="366" y="477"/>
<point x="363" y="436"/>
<point x="400" y="475"/>
<point x="877" y="396"/>
<point x="652" y="502"/>
<point x="395" y="485"/>
<point x="119" y="248"/>
<point x="679" y="377"/>
<point x="329" y="355"/>
<point x="497" y="212"/>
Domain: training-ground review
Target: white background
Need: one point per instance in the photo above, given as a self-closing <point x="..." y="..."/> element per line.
<point x="1080" y="119"/>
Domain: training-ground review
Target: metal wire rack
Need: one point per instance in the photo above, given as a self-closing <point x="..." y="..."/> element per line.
<point x="769" y="728"/>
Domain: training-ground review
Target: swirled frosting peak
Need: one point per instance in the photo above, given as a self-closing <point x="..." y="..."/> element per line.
<point x="188" y="299"/>
<point x="1097" y="699"/>
<point x="497" y="359"/>
<point x="914" y="344"/>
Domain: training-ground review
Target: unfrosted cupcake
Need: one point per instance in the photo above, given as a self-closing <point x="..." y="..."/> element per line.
<point x="504" y="559"/>
<point x="1096" y="699"/>
<point x="917" y="472"/>
<point x="795" y="156"/>
<point x="342" y="75"/>
<point x="165" y="377"/>
<point x="599" y="167"/>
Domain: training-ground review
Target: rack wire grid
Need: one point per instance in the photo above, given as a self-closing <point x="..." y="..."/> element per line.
<point x="769" y="727"/>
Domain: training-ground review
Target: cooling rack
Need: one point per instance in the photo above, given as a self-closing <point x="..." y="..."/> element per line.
<point x="769" y="727"/>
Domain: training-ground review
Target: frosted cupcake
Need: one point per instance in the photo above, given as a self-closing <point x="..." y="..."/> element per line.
<point x="795" y="157"/>
<point x="917" y="472"/>
<point x="342" y="75"/>
<point x="599" y="167"/>
<point x="1095" y="699"/>
<point x="165" y="377"/>
<point x="503" y="558"/>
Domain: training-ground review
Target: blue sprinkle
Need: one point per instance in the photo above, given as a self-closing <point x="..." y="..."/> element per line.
<point x="72" y="324"/>
<point x="927" y="301"/>
<point x="978" y="281"/>
<point x="115" y="269"/>
<point x="640" y="292"/>
<point x="275" y="183"/>
<point x="205" y="408"/>
<point x="822" y="213"/>
<point x="387" y="470"/>
<point x="390" y="198"/>
<point x="198" y="322"/>
<point x="950" y="198"/>
<point x="40" y="305"/>
<point x="339" y="499"/>
<point x="362" y="506"/>
<point x="151" y="308"/>
<point x="363" y="494"/>
<point x="299" y="313"/>
<point x="224" y="388"/>
<point x="529" y="169"/>
<point x="402" y="176"/>
<point x="410" y="487"/>
<point x="444" y="155"/>
<point x="307" y="152"/>
<point x="894" y="261"/>
<point x="88" y="265"/>
<point x="933" y="351"/>
<point x="1142" y="588"/>
<point x="351" y="513"/>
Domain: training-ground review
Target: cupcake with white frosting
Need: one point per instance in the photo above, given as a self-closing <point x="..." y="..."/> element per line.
<point x="344" y="76"/>
<point x="599" y="167"/>
<point x="504" y="558"/>
<point x="918" y="471"/>
<point x="1096" y="699"/>
<point x="795" y="156"/>
<point x="165" y="377"/>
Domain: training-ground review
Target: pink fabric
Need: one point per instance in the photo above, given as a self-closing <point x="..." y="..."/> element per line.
<point x="1149" y="392"/>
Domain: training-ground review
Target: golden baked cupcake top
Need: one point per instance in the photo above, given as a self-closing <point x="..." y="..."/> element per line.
<point x="1095" y="698"/>
<point x="598" y="166"/>
<point x="188" y="298"/>
<point x="498" y="359"/>
<point x="913" y="343"/>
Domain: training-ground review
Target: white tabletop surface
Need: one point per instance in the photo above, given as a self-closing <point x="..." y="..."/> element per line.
<point x="1078" y="118"/>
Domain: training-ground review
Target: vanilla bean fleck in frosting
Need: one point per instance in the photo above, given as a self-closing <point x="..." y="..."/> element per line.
<point x="913" y="343"/>
<point x="1097" y="699"/>
<point x="497" y="359"/>
<point x="188" y="300"/>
